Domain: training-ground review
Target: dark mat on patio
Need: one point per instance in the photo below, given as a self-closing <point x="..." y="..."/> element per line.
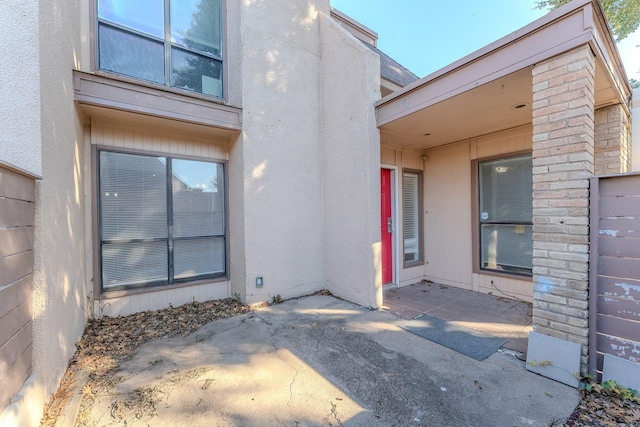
<point x="466" y="341"/>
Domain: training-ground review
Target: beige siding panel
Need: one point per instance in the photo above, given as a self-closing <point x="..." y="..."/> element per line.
<point x="387" y="156"/>
<point x="159" y="298"/>
<point x="447" y="203"/>
<point x="16" y="186"/>
<point x="508" y="287"/>
<point x="110" y="134"/>
<point x="507" y="142"/>
<point x="15" y="240"/>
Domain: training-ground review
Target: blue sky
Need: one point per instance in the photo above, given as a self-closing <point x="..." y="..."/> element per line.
<point x="426" y="35"/>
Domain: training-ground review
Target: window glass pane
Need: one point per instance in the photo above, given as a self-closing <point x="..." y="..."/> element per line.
<point x="195" y="257"/>
<point x="196" y="73"/>
<point x="506" y="187"/>
<point x="411" y="226"/>
<point x="132" y="263"/>
<point x="198" y="198"/>
<point x="133" y="195"/>
<point x="506" y="241"/>
<point x="146" y="16"/>
<point x="126" y="53"/>
<point x="195" y="24"/>
<point x="507" y="248"/>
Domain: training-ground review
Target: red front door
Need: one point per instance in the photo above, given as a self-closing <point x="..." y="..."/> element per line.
<point x="386" y="227"/>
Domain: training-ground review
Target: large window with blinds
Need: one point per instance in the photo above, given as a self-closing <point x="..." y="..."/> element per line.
<point x="506" y="215"/>
<point x="172" y="43"/>
<point x="161" y="220"/>
<point x="412" y="224"/>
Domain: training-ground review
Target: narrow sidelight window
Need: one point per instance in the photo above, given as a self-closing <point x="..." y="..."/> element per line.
<point x="506" y="215"/>
<point x="412" y="226"/>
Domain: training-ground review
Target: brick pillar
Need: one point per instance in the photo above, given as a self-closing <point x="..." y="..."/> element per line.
<point x="612" y="140"/>
<point x="563" y="162"/>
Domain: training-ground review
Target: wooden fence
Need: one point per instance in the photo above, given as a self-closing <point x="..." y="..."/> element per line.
<point x="614" y="298"/>
<point x="17" y="210"/>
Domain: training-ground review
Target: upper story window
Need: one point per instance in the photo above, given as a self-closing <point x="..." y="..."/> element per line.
<point x="173" y="43"/>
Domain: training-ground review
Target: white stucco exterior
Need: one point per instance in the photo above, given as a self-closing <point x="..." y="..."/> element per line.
<point x="20" y="87"/>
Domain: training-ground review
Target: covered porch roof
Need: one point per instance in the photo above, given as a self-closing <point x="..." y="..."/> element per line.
<point x="491" y="89"/>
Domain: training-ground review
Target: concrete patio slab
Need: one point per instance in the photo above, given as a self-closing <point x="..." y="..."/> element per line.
<point x="321" y="361"/>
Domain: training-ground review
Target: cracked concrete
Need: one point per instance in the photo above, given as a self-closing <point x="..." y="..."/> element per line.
<point x="320" y="361"/>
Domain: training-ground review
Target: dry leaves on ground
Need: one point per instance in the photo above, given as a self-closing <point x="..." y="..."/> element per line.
<point x="109" y="340"/>
<point x="604" y="408"/>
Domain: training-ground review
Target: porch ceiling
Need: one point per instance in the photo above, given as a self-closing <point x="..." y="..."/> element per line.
<point x="479" y="94"/>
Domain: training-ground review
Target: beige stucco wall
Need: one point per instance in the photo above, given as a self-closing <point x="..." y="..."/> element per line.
<point x="20" y="87"/>
<point x="48" y="126"/>
<point x="448" y="198"/>
<point x="281" y="202"/>
<point x="350" y="166"/>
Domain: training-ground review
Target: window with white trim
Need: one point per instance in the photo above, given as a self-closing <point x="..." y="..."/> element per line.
<point x="161" y="220"/>
<point x="411" y="216"/>
<point x="506" y="215"/>
<point x="172" y="43"/>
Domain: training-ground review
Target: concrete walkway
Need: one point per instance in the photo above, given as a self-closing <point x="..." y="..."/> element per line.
<point x="320" y="361"/>
<point x="495" y="315"/>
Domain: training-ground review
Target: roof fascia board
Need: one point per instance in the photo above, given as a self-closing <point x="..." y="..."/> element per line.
<point x="355" y="25"/>
<point x="557" y="32"/>
<point x="534" y="26"/>
<point x="604" y="46"/>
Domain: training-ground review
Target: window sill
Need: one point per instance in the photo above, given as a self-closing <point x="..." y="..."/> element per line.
<point x="105" y="295"/>
<point x="413" y="264"/>
<point x="98" y="95"/>
<point x="496" y="273"/>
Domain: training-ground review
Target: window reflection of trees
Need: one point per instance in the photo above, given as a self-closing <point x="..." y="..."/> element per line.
<point x="191" y="69"/>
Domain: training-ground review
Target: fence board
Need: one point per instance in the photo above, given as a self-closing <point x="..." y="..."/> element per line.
<point x="16" y="186"/>
<point x="624" y="185"/>
<point x="16" y="213"/>
<point x="622" y="308"/>
<point x="15" y="320"/>
<point x="12" y="349"/>
<point x="619" y="227"/>
<point x="620" y="288"/>
<point x="15" y="267"/>
<point x="627" y="247"/>
<point x="15" y="240"/>
<point x="14" y="377"/>
<point x="627" y="268"/>
<point x="625" y="349"/>
<point x="13" y="295"/>
<point x="620" y="206"/>
<point x="617" y="327"/>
